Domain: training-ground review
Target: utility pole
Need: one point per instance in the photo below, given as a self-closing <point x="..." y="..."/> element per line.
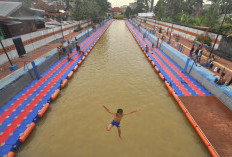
<point x="152" y="3"/>
<point x="61" y="27"/>
<point x="170" y="37"/>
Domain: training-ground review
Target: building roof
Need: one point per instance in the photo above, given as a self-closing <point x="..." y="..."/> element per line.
<point x="48" y="8"/>
<point x="37" y="10"/>
<point x="3" y="18"/>
<point x="29" y="18"/>
<point x="8" y="8"/>
<point x="115" y="9"/>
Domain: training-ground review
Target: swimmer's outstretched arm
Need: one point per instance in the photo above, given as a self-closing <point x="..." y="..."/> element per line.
<point x="107" y="109"/>
<point x="137" y="110"/>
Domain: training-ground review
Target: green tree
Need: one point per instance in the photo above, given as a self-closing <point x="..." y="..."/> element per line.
<point x="90" y="9"/>
<point x="143" y="5"/>
<point x="128" y="12"/>
<point x="67" y="3"/>
<point x="192" y="7"/>
<point x="224" y="5"/>
<point x="212" y="16"/>
<point x="81" y="10"/>
<point x="159" y="9"/>
<point x="199" y="21"/>
<point x="173" y="7"/>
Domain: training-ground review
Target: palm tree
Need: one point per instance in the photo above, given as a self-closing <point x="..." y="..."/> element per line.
<point x="212" y="16"/>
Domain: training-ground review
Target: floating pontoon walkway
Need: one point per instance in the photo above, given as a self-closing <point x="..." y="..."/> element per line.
<point x="19" y="115"/>
<point x="209" y="117"/>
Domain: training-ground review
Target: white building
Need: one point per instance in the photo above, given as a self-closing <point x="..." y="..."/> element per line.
<point x="133" y="5"/>
<point x="123" y="8"/>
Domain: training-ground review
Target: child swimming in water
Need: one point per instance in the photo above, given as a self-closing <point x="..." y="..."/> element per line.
<point x="117" y="118"/>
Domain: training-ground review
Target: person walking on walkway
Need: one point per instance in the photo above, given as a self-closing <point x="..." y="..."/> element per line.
<point x="94" y="28"/>
<point x="199" y="55"/>
<point x="196" y="53"/>
<point x="162" y="39"/>
<point x="147" y="48"/>
<point x="160" y="30"/>
<point x="62" y="47"/>
<point x="155" y="29"/>
<point x="69" y="47"/>
<point x="191" y="51"/>
<point x="177" y="40"/>
<point x="210" y="62"/>
<point x="59" y="51"/>
<point x="78" y="47"/>
<point x="197" y="50"/>
<point x="153" y="44"/>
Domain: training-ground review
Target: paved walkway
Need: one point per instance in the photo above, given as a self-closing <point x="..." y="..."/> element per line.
<point x="37" y="53"/>
<point x="219" y="62"/>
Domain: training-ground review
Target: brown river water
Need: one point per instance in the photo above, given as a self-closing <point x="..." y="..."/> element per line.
<point x="116" y="73"/>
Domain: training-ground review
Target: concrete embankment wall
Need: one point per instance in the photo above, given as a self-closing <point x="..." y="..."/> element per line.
<point x="225" y="47"/>
<point x="183" y="31"/>
<point x="34" y="40"/>
<point x="202" y="75"/>
<point x="18" y="80"/>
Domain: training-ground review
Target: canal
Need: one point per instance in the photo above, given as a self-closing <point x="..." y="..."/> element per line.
<point x="117" y="74"/>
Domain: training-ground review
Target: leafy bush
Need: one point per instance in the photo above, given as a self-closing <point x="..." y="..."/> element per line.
<point x="227" y="29"/>
<point x="200" y="39"/>
<point x="119" y="16"/>
<point x="78" y="28"/>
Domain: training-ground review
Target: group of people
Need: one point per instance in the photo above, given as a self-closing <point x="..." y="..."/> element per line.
<point x="196" y="55"/>
<point x="222" y="80"/>
<point x="63" y="51"/>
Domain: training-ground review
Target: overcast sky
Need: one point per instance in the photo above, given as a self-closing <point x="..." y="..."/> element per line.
<point x="119" y="3"/>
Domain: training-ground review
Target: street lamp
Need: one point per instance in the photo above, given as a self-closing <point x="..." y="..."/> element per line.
<point x="152" y="3"/>
<point x="170" y="37"/>
<point x="61" y="28"/>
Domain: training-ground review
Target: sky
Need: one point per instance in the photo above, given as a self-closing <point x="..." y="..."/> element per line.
<point x="119" y="3"/>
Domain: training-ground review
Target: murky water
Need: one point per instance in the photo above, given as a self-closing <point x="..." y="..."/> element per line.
<point x="117" y="74"/>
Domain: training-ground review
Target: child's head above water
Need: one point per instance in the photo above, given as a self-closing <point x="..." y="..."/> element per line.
<point x="120" y="111"/>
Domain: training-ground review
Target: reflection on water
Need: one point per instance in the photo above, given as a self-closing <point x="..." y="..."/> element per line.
<point x="117" y="74"/>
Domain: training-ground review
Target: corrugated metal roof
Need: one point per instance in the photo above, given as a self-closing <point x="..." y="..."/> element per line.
<point x="2" y="18"/>
<point x="29" y="18"/>
<point x="7" y="8"/>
